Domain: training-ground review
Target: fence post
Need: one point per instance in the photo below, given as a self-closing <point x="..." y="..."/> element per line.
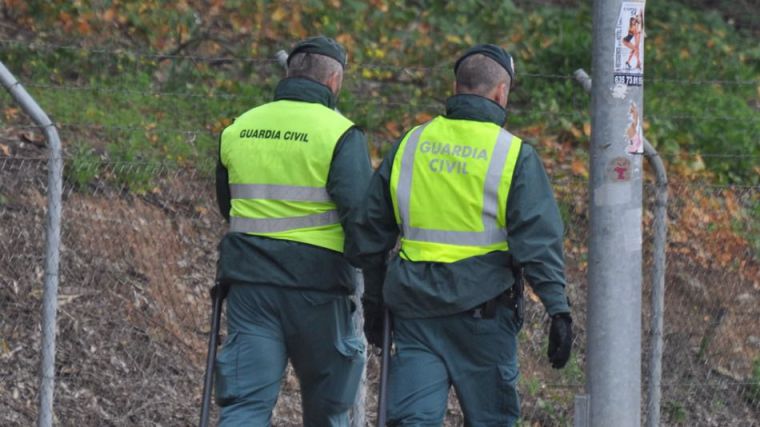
<point x="358" y="411"/>
<point x="658" y="284"/>
<point x="53" y="240"/>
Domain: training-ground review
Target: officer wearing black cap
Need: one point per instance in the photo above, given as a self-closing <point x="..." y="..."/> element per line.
<point x="320" y="45"/>
<point x="290" y="174"/>
<point x="474" y="211"/>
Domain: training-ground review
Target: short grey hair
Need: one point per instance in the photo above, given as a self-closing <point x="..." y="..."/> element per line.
<point x="313" y="66"/>
<point x="479" y="74"/>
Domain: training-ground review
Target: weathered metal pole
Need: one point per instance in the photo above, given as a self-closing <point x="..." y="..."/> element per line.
<point x="53" y="242"/>
<point x="654" y="396"/>
<point x="358" y="411"/>
<point x="613" y="361"/>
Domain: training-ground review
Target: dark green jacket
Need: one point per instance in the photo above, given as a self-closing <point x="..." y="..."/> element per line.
<point x="251" y="259"/>
<point x="428" y="289"/>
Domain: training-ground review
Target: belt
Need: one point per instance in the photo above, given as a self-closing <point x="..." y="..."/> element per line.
<point x="487" y="310"/>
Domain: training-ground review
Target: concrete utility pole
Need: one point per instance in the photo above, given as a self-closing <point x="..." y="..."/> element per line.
<point x="613" y="359"/>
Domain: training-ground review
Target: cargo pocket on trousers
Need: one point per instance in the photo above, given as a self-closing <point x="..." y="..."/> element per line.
<point x="225" y="371"/>
<point x="353" y="350"/>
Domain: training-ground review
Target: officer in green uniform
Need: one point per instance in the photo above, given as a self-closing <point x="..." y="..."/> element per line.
<point x="290" y="173"/>
<point x="471" y="203"/>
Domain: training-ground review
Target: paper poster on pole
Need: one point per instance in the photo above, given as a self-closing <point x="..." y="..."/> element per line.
<point x="629" y="45"/>
<point x="633" y="133"/>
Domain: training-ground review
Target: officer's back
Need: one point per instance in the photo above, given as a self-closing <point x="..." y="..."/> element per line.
<point x="290" y="172"/>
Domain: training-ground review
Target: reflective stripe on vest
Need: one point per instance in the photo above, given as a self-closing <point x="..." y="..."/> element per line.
<point x="279" y="192"/>
<point x="274" y="225"/>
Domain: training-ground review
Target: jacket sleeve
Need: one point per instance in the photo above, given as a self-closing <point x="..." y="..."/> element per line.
<point x="347" y="181"/>
<point x="375" y="230"/>
<point x="223" y="196"/>
<point x="535" y="231"/>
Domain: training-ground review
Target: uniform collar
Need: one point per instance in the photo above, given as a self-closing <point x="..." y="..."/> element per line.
<point x="305" y="90"/>
<point x="475" y="107"/>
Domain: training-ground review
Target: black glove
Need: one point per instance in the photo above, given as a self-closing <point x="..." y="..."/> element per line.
<point x="560" y="339"/>
<point x="373" y="322"/>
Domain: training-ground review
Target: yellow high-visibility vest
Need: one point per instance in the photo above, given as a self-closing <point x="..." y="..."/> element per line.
<point x="278" y="158"/>
<point x="449" y="185"/>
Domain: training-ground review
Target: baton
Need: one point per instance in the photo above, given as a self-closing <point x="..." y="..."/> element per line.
<point x="218" y="292"/>
<point x="382" y="400"/>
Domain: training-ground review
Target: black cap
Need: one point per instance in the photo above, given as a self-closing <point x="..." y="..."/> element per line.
<point x="320" y="45"/>
<point x="494" y="52"/>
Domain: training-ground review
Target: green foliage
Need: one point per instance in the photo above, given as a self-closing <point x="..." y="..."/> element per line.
<point x="551" y="410"/>
<point x="158" y="68"/>
<point x="688" y="44"/>
<point x="752" y="391"/>
<point x="752" y="227"/>
<point x="675" y="412"/>
<point x="532" y="386"/>
<point x="573" y="371"/>
<point x="565" y="211"/>
<point x="133" y="163"/>
<point x="747" y="224"/>
<point x="82" y="165"/>
<point x="551" y="43"/>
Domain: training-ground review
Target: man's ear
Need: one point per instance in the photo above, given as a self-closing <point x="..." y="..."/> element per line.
<point x="501" y="94"/>
<point x="335" y="81"/>
<point x="506" y="94"/>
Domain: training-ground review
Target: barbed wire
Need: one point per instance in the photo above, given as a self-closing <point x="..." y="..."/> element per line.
<point x="45" y="46"/>
<point x="699" y="82"/>
<point x="209" y="95"/>
<point x="707" y="384"/>
<point x="106" y="89"/>
<point x="126" y="128"/>
<point x="726" y="155"/>
<point x="708" y="117"/>
<point x="162" y="167"/>
<point x="216" y="94"/>
<point x="165" y="164"/>
<point x="381" y="103"/>
<point x="145" y="128"/>
<point x="404" y="105"/>
<point x="118" y="51"/>
<point x="390" y="141"/>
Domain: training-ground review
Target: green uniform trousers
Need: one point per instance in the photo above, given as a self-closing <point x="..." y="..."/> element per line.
<point x="266" y="326"/>
<point x="477" y="356"/>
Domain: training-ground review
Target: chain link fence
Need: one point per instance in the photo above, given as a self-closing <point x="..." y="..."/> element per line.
<point x="138" y="255"/>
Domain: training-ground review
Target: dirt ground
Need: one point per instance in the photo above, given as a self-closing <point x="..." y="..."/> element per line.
<point x="133" y="314"/>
